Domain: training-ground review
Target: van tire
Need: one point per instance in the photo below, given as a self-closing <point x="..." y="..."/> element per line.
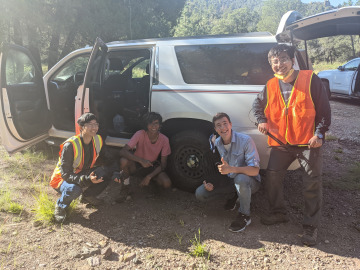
<point x="187" y="163"/>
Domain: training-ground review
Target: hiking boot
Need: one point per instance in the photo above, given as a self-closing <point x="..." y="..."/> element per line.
<point x="231" y="203"/>
<point x="124" y="194"/>
<point x="92" y="200"/>
<point x="240" y="223"/>
<point x="309" y="236"/>
<point x="274" y="219"/>
<point x="59" y="214"/>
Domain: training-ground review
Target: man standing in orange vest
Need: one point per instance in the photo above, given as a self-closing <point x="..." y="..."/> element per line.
<point x="295" y="109"/>
<point x="75" y="169"/>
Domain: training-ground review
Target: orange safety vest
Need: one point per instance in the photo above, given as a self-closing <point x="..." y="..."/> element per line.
<point x="56" y="179"/>
<point x="294" y="122"/>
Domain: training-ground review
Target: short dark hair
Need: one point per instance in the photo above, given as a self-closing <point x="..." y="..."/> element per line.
<point x="220" y="115"/>
<point x="86" y="118"/>
<point x="151" y="117"/>
<point x="275" y="51"/>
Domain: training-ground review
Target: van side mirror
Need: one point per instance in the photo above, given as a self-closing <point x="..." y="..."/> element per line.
<point x="341" y="68"/>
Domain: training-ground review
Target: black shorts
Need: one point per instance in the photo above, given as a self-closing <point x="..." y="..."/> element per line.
<point x="142" y="172"/>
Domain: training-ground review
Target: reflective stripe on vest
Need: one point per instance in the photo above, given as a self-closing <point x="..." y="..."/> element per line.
<point x="97" y="143"/>
<point x="292" y="123"/>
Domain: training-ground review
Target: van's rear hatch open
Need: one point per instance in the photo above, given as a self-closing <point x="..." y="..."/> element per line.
<point x="342" y="21"/>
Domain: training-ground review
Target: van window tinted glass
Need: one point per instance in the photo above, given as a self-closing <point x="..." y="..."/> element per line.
<point x="225" y="63"/>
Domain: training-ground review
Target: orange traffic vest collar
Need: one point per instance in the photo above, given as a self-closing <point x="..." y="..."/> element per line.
<point x="78" y="163"/>
<point x="294" y="122"/>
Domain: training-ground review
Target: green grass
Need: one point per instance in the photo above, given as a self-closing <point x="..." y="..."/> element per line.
<point x="7" y="204"/>
<point x="325" y="66"/>
<point x="339" y="151"/>
<point x="179" y="237"/>
<point x="330" y="137"/>
<point x="44" y="208"/>
<point x="25" y="165"/>
<point x="197" y="249"/>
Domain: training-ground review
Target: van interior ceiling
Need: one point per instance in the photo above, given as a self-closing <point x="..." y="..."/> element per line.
<point x="123" y="98"/>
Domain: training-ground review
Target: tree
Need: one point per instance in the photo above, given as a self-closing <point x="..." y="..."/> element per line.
<point x="273" y="10"/>
<point x="60" y="26"/>
<point x="240" y="20"/>
<point x="203" y="17"/>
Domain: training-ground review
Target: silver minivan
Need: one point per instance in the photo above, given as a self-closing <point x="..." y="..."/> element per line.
<point x="186" y="80"/>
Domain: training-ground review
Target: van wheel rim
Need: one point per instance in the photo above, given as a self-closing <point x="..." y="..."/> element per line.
<point x="189" y="162"/>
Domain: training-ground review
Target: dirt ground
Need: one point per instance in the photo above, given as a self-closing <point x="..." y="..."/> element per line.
<point x="154" y="229"/>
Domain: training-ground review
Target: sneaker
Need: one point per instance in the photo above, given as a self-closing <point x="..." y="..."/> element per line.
<point x="309" y="236"/>
<point x="240" y="223"/>
<point x="274" y="219"/>
<point x="92" y="200"/>
<point x="124" y="194"/>
<point x="59" y="214"/>
<point x="231" y="203"/>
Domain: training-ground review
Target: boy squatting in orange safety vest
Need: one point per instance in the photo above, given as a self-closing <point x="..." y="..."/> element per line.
<point x="294" y="108"/>
<point x="76" y="169"/>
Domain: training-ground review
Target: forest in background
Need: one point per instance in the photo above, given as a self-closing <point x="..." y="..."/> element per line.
<point x="53" y="28"/>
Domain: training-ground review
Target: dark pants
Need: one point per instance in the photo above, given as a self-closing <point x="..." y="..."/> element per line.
<point x="311" y="163"/>
<point x="70" y="192"/>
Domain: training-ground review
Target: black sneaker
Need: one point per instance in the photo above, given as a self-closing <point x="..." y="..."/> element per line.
<point x="309" y="236"/>
<point x="231" y="203"/>
<point x="274" y="219"/>
<point x="59" y="214"/>
<point x="240" y="223"/>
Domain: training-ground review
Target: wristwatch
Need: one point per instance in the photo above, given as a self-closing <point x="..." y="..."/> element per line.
<point x="320" y="136"/>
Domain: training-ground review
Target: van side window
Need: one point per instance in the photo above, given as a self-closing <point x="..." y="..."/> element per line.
<point x="19" y="69"/>
<point x="225" y="63"/>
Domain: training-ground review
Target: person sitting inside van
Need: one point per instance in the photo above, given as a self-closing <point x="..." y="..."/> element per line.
<point x="151" y="145"/>
<point x="76" y="169"/>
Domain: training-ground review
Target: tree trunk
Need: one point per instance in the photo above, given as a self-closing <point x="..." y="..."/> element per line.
<point x="69" y="41"/>
<point x="352" y="45"/>
<point x="33" y="39"/>
<point x="53" y="52"/>
<point x="17" y="37"/>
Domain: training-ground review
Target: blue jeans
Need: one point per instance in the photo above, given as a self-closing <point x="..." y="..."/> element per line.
<point x="243" y="184"/>
<point x="69" y="192"/>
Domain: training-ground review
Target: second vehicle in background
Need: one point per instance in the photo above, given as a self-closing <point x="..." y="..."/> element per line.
<point x="343" y="81"/>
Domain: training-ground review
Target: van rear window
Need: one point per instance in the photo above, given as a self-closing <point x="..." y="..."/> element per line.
<point x="225" y="63"/>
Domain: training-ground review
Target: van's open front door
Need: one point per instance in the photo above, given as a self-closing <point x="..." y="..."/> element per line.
<point x="93" y="78"/>
<point x="342" y="21"/>
<point x="24" y="116"/>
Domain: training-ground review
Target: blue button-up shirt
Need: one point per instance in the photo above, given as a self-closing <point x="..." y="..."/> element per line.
<point x="242" y="152"/>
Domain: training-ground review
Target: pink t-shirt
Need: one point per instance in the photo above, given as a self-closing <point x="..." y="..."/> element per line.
<point x="145" y="149"/>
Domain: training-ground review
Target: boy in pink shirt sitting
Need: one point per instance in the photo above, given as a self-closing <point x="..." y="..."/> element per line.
<point x="149" y="144"/>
